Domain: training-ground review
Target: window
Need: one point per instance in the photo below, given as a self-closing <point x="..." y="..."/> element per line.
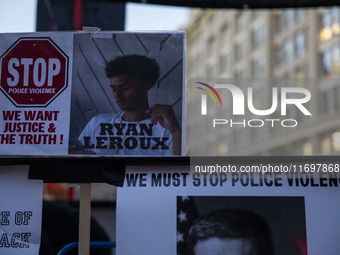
<point x="326" y="62"/>
<point x="299" y="81"/>
<point x="288" y="15"/>
<point x="258" y="37"/>
<point x="323" y="103"/>
<point x="212" y="47"/>
<point x="288" y="50"/>
<point x="330" y="24"/>
<point x="240" y="51"/>
<point x="258" y="67"/>
<point x="299" y="15"/>
<point x="299" y="44"/>
<point x="330" y="61"/>
<point x="240" y="22"/>
<point x="256" y="14"/>
<point x="211" y="72"/>
<point x="335" y="59"/>
<point x="224" y="63"/>
<point x="326" y="146"/>
<point x="336" y="141"/>
<point x="307" y="149"/>
<point x="225" y="35"/>
<point x="278" y="56"/>
<point x="278" y="23"/>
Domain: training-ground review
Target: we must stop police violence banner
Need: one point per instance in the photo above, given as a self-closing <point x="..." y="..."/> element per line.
<point x="58" y="97"/>
<point x="170" y="210"/>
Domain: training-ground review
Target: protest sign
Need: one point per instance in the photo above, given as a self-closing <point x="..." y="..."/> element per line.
<point x="35" y="99"/>
<point x="62" y="93"/>
<point x="157" y="206"/>
<point x="20" y="221"/>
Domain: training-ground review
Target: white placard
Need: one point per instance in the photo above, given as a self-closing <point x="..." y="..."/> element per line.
<point x="98" y="93"/>
<point x="20" y="211"/>
<point x="302" y="211"/>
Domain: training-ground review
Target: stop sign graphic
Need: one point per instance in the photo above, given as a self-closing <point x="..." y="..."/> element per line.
<point x="33" y="72"/>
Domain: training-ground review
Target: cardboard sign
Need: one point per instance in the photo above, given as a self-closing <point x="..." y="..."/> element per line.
<point x="20" y="221"/>
<point x="100" y="93"/>
<point x="165" y="210"/>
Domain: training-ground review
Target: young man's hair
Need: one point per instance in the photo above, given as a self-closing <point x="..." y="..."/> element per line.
<point x="232" y="223"/>
<point x="141" y="67"/>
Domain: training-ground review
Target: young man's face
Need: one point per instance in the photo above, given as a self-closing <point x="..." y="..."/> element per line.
<point x="129" y="92"/>
<point x="224" y="246"/>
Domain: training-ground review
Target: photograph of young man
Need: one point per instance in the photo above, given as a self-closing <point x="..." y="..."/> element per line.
<point x="230" y="231"/>
<point x="138" y="129"/>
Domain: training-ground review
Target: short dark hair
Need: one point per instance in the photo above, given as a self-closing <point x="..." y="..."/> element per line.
<point x="142" y="67"/>
<point x="232" y="223"/>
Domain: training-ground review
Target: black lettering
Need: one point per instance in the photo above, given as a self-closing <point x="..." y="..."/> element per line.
<point x="27" y="217"/>
<point x="115" y="142"/>
<point x="146" y="129"/>
<point x="290" y="179"/>
<point x="277" y="179"/>
<point x="106" y="127"/>
<point x="131" y="179"/>
<point x="156" y="180"/>
<point x="142" y="179"/>
<point x="312" y="182"/>
<point x="270" y="182"/>
<point x="322" y="180"/>
<point x="4" y="241"/>
<point x="100" y="142"/>
<point x="160" y="143"/>
<point x="14" y="243"/>
<point x="127" y="143"/>
<point x="333" y="181"/>
<point x="244" y="179"/>
<point x="304" y="182"/>
<point x="165" y="182"/>
<point x="18" y="218"/>
<point x="184" y="179"/>
<point x="213" y="181"/>
<point x="234" y="178"/>
<point x="196" y="180"/>
<point x="142" y="142"/>
<point x="87" y="143"/>
<point x="131" y="128"/>
<point x="176" y="180"/>
<point x="119" y="128"/>
<point x="4" y="218"/>
<point x="24" y="238"/>
<point x="224" y="179"/>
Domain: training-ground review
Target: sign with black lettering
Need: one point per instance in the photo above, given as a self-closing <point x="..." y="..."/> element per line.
<point x="98" y="93"/>
<point x="242" y="211"/>
<point x="20" y="222"/>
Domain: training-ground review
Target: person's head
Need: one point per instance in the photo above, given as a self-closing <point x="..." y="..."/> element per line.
<point x="230" y="232"/>
<point x="131" y="78"/>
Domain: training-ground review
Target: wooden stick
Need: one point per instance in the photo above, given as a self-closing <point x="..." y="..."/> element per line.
<point x="84" y="219"/>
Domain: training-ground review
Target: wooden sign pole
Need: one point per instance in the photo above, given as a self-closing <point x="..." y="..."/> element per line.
<point x="84" y="219"/>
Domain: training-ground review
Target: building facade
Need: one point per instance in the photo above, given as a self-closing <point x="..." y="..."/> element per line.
<point x="265" y="49"/>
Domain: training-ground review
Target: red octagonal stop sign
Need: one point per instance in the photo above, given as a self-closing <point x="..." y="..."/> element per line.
<point x="33" y="72"/>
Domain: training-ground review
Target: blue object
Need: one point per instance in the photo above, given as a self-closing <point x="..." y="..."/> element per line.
<point x="75" y="245"/>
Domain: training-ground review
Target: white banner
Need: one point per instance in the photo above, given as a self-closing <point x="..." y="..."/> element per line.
<point x="20" y="211"/>
<point x="162" y="210"/>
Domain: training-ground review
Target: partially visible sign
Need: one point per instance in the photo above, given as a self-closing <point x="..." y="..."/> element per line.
<point x="166" y="210"/>
<point x="20" y="211"/>
<point x="35" y="93"/>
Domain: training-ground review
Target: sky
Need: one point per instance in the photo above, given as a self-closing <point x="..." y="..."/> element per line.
<point x="19" y="16"/>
